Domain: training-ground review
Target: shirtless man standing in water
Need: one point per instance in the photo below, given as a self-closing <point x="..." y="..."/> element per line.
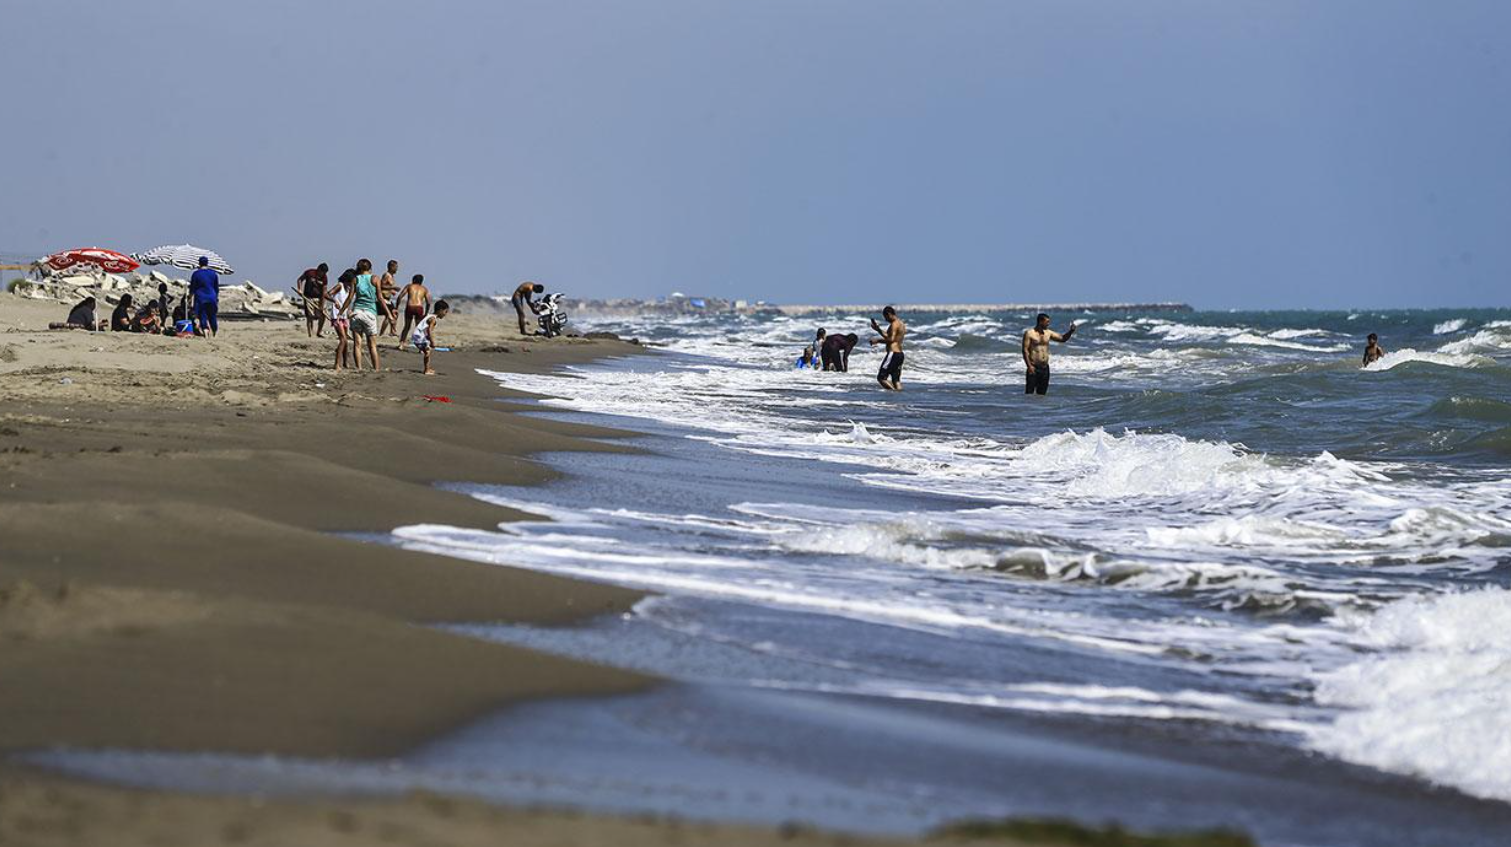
<point x="890" y="375"/>
<point x="1372" y="350"/>
<point x="1036" y="353"/>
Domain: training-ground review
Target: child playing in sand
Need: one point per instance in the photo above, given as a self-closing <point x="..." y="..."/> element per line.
<point x="424" y="333"/>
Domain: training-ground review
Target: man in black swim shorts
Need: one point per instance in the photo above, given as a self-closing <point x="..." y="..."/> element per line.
<point x="1036" y="353"/>
<point x="890" y="375"/>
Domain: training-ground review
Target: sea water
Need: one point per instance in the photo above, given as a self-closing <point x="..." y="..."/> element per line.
<point x="1212" y="520"/>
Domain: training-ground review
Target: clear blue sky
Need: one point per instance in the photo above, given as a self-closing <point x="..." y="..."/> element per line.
<point x="1317" y="153"/>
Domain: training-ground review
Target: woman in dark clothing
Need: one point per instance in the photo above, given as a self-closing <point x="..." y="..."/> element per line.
<point x="120" y="319"/>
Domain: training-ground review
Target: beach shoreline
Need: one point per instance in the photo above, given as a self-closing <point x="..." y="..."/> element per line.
<point x="187" y="565"/>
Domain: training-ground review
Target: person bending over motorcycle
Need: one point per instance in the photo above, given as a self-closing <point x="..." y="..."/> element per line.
<point x="523" y="297"/>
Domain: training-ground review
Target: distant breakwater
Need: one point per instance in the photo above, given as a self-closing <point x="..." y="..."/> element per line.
<point x="905" y="308"/>
<point x="681" y="305"/>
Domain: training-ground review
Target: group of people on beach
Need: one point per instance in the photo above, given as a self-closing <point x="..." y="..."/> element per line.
<point x="359" y="306"/>
<point x="360" y="309"/>
<point x="196" y="313"/>
<point x="831" y="352"/>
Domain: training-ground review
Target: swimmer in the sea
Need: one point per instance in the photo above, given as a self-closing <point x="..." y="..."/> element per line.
<point x="1372" y="349"/>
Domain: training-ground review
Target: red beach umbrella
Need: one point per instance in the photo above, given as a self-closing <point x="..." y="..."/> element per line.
<point x="106" y="260"/>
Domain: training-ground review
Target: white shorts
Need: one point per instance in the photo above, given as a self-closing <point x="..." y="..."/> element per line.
<point x="365" y="322"/>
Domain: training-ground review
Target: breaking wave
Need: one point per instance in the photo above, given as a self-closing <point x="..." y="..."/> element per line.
<point x="1435" y="700"/>
<point x="1450" y="360"/>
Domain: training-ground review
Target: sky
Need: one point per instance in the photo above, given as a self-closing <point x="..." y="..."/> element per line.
<point x="1277" y="154"/>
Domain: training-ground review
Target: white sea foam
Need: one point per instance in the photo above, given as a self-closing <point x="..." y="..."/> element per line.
<point x="1452" y="360"/>
<point x="1190" y="332"/>
<point x="1094" y="700"/>
<point x="1287" y="334"/>
<point x="1436" y="702"/>
<point x="1490" y="341"/>
<point x="1448" y="326"/>
<point x="1262" y="341"/>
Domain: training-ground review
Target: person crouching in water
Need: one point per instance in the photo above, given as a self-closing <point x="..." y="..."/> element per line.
<point x="836" y="352"/>
<point x="424" y="332"/>
<point x="807" y="360"/>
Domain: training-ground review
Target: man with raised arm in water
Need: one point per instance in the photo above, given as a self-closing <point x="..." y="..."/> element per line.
<point x="1036" y="353"/>
<point x="890" y="375"/>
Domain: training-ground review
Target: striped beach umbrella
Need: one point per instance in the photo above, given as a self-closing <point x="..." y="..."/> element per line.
<point x="184" y="256"/>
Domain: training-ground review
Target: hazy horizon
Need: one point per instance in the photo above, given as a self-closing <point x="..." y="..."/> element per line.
<point x="1268" y="155"/>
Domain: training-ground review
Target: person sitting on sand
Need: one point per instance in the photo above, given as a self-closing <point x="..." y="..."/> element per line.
<point x="1373" y="352"/>
<point x="415" y="299"/>
<point x="424" y="332"/>
<point x="80" y="316"/>
<point x="522" y="298"/>
<point x="836" y="352"/>
<point x="311" y="287"/>
<point x="388" y="290"/>
<point x="120" y="319"/>
<point x="148" y="320"/>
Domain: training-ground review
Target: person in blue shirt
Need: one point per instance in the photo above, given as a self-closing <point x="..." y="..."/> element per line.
<point x="204" y="287"/>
